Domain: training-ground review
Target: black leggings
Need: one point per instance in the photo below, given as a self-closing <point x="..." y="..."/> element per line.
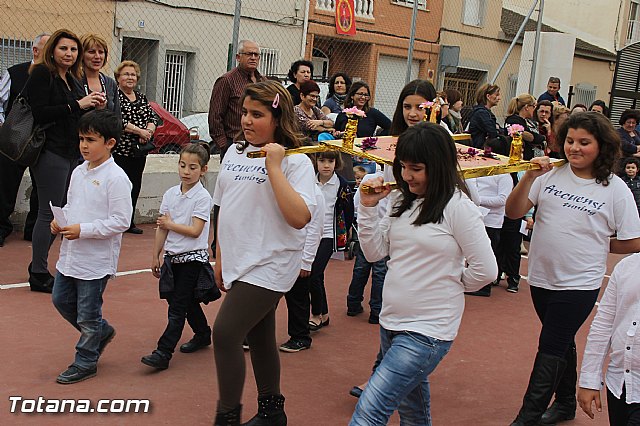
<point x="134" y="168"/>
<point x="562" y="313"/>
<point x="246" y="311"/>
<point x="317" y="291"/>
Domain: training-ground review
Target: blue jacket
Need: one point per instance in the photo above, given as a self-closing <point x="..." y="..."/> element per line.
<point x="546" y="96"/>
<point x="482" y="126"/>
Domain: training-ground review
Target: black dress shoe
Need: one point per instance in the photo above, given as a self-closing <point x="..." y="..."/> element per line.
<point x="156" y="360"/>
<point x="134" y="230"/>
<point x="356" y="391"/>
<point x="195" y="344"/>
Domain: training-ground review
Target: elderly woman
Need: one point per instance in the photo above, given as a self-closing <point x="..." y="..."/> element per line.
<point x="94" y="58"/>
<point x="312" y="120"/>
<point x="139" y="125"/>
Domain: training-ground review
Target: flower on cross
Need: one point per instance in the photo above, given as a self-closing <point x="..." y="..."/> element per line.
<point x="426" y="105"/>
<point x="354" y="111"/>
<point x="515" y="130"/>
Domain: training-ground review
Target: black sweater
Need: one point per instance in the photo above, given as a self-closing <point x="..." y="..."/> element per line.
<point x="53" y="102"/>
<point x="366" y="126"/>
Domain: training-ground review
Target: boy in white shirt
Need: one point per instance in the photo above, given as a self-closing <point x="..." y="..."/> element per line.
<point x="97" y="212"/>
<point x="614" y="332"/>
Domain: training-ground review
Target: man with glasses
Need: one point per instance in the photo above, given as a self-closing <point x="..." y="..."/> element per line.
<point x="225" y="110"/>
<point x="11" y="84"/>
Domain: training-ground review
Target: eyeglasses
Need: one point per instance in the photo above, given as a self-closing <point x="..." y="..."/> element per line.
<point x="250" y="54"/>
<point x="363" y="95"/>
<point x="126" y="74"/>
<point x="314" y="97"/>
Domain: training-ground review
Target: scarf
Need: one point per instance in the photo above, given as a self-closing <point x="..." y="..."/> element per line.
<point x="339" y="99"/>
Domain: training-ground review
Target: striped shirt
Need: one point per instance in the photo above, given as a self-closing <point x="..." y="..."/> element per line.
<point x="225" y="110"/>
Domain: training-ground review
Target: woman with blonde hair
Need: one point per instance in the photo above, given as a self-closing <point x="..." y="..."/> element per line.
<point x="521" y="110"/>
<point x="94" y="58"/>
<point x="56" y="106"/>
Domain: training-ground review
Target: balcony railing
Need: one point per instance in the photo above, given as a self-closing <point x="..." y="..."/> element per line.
<point x="364" y="8"/>
<point x="633" y="32"/>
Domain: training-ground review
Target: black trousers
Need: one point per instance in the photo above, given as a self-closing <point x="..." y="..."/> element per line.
<point x="10" y="178"/>
<point x="182" y="305"/>
<point x="508" y="255"/>
<point x="621" y="413"/>
<point x="298" y="309"/>
<point x="133" y="167"/>
<point x="319" y="304"/>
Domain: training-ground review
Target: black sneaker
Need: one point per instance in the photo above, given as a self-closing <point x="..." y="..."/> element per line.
<point x="294" y="345"/>
<point x="156" y="360"/>
<point x="374" y="319"/>
<point x="75" y="374"/>
<point x="106" y="339"/>
<point x="196" y="343"/>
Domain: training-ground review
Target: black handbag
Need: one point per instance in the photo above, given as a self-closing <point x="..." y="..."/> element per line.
<point x="142" y="149"/>
<point x="20" y="139"/>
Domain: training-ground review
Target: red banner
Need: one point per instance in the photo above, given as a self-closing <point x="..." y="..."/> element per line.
<point x="345" y="17"/>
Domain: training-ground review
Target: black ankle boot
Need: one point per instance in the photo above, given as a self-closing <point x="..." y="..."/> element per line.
<point x="483" y="292"/>
<point x="547" y="371"/>
<point x="564" y="406"/>
<point x="270" y="412"/>
<point x="40" y="281"/>
<point x="228" y="418"/>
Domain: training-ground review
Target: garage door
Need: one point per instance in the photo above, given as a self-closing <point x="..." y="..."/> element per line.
<point x="390" y="81"/>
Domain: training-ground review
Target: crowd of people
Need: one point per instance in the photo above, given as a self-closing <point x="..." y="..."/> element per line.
<point x="426" y="244"/>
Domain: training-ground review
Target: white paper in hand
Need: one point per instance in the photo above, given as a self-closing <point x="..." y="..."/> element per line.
<point x="58" y="215"/>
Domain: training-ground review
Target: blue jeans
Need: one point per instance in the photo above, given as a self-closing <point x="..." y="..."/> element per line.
<point x="401" y="381"/>
<point x="361" y="270"/>
<point x="80" y="303"/>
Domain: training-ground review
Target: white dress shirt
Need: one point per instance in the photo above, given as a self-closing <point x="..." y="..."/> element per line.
<point x="99" y="200"/>
<point x="314" y="231"/>
<point x="615" y="332"/>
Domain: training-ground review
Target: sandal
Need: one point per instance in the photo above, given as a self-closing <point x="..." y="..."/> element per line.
<point x="314" y="326"/>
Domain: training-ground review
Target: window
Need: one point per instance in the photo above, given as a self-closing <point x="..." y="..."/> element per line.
<point x="14" y="51"/>
<point x="512" y="88"/>
<point x="174" y="76"/>
<point x="269" y="61"/>
<point x="473" y="12"/>
<point x="633" y="31"/>
<point x="422" y="4"/>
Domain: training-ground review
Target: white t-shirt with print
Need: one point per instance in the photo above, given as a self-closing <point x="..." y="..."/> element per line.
<point x="574" y="220"/>
<point x="183" y="208"/>
<point x="256" y="243"/>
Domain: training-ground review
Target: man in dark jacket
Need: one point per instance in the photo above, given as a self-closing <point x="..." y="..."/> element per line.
<point x="11" y="84"/>
<point x="553" y="91"/>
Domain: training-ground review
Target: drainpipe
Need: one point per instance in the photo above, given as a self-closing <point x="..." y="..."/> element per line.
<point x="305" y="28"/>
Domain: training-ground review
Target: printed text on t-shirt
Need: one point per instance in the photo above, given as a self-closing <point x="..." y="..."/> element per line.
<point x="575" y="202"/>
<point x="247" y="173"/>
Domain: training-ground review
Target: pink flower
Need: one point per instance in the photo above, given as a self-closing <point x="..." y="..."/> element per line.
<point x="515" y="130"/>
<point x="354" y="111"/>
<point x="426" y="105"/>
<point x="369" y="143"/>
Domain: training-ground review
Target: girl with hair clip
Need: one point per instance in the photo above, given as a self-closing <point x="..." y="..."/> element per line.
<point x="521" y="111"/>
<point x="338" y="218"/>
<point x="183" y="234"/>
<point x="264" y="205"/>
<point x="438" y="249"/>
<point x="580" y="205"/>
<point x="57" y="107"/>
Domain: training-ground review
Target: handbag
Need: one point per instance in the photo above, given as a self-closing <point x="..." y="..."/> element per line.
<point x="20" y="139"/>
<point x="142" y="149"/>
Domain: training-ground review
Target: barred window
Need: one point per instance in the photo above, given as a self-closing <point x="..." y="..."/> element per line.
<point x="14" y="51"/>
<point x="174" y="78"/>
<point x="269" y="61"/>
